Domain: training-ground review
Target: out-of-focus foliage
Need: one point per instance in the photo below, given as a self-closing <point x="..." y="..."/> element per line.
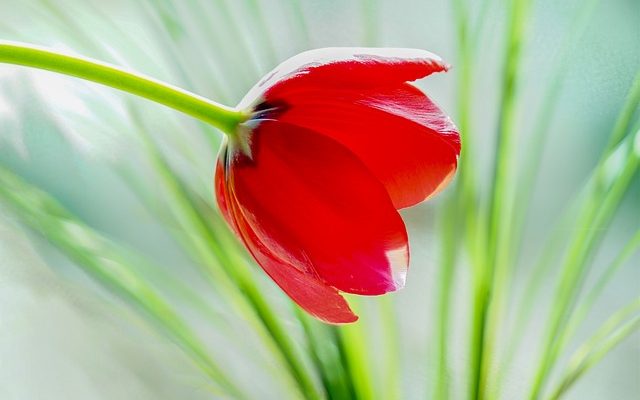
<point x="121" y="189"/>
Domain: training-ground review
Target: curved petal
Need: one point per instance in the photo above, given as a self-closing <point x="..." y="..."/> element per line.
<point x="220" y="185"/>
<point x="345" y="67"/>
<point x="305" y="289"/>
<point x="314" y="296"/>
<point x="408" y="143"/>
<point x="316" y="206"/>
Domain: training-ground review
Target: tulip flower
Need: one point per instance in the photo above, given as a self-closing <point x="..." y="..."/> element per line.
<point x="319" y="156"/>
<point x="337" y="141"/>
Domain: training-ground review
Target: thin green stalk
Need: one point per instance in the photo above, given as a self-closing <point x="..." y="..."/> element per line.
<point x="481" y="19"/>
<point x="542" y="269"/>
<point x="526" y="179"/>
<point x="449" y="229"/>
<point x="100" y="259"/>
<point x="587" y="303"/>
<point x="345" y="361"/>
<point x="279" y="334"/>
<point x="612" y="333"/>
<point x="208" y="111"/>
<point x="481" y="292"/>
<point x="466" y="177"/>
<point x="545" y="263"/>
<point x="324" y="353"/>
<point x="468" y="200"/>
<point x="228" y="271"/>
<point x="391" y="379"/>
<point x="314" y="348"/>
<point x="370" y="22"/>
<point x="358" y="365"/>
<point x="500" y="211"/>
<point x="629" y="109"/>
<point x="218" y="115"/>
<point x="596" y="214"/>
<point x="588" y="233"/>
<point x="169" y="47"/>
<point x="468" y="204"/>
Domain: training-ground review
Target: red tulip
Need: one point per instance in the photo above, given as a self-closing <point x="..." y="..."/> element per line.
<point x="337" y="142"/>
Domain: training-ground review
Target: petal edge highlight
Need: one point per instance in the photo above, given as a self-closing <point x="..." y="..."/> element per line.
<point x="355" y="67"/>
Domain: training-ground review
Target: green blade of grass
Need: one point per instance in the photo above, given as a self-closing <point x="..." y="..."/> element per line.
<point x="345" y="361"/>
<point x="321" y="342"/>
<point x="530" y="168"/>
<point x="586" y="304"/>
<point x="596" y="213"/>
<point x="353" y="344"/>
<point x="468" y="205"/>
<point x="449" y="229"/>
<point x="592" y="209"/>
<point x="493" y="279"/>
<point x="102" y="260"/>
<point x="316" y="352"/>
<point x="229" y="272"/>
<point x="261" y="305"/>
<point x="543" y="266"/>
<point x="478" y="27"/>
<point x="391" y="387"/>
<point x="612" y="333"/>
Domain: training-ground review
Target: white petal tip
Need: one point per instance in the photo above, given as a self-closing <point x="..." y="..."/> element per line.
<point x="399" y="264"/>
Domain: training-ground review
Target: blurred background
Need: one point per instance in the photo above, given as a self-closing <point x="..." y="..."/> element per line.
<point x="64" y="336"/>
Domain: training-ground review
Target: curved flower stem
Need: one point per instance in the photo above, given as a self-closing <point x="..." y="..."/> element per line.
<point x="218" y="115"/>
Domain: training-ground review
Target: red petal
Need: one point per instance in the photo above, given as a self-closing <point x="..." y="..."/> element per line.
<point x="318" y="299"/>
<point x="408" y="143"/>
<point x="315" y="205"/>
<point x="310" y="293"/>
<point x="346" y="67"/>
<point x="222" y="195"/>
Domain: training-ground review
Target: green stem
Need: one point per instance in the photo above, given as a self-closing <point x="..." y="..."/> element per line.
<point x="495" y="275"/>
<point x="450" y="229"/>
<point x="107" y="263"/>
<point x="391" y="381"/>
<point x="622" y="324"/>
<point x="587" y="302"/>
<point x="593" y="220"/>
<point x="358" y="364"/>
<point x="218" y="115"/>
<point x="468" y="213"/>
<point x="235" y="280"/>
